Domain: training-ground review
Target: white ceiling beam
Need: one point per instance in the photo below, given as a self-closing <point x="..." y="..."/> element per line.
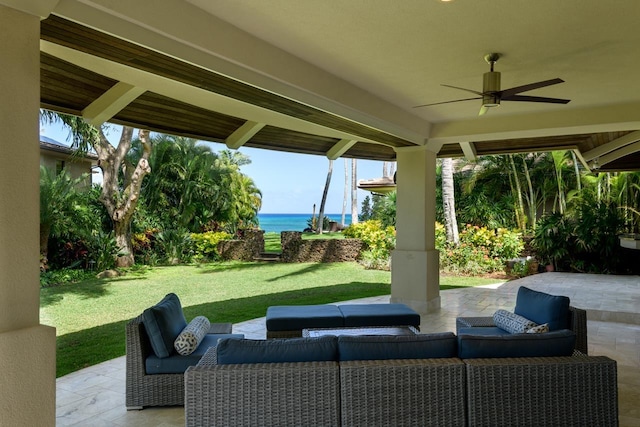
<point x="243" y="134"/>
<point x="469" y="150"/>
<point x="582" y="160"/>
<point x="612" y="145"/>
<point x="111" y="103"/>
<point x="615" y="155"/>
<point x="607" y="118"/>
<point x="340" y="148"/>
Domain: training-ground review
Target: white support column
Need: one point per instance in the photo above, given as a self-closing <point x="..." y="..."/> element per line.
<point x="27" y="349"/>
<point x="415" y="278"/>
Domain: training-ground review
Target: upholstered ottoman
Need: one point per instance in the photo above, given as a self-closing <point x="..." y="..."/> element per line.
<point x="379" y="315"/>
<point x="286" y="321"/>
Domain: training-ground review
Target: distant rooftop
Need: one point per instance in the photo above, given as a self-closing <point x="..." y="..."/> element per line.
<point x="51" y="144"/>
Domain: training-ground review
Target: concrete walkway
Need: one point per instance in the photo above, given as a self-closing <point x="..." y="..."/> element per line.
<point x="96" y="396"/>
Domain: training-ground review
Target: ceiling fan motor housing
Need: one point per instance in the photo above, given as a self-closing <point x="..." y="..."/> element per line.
<point x="491" y="87"/>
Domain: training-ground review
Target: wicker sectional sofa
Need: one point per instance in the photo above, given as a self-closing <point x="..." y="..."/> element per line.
<point x="394" y="388"/>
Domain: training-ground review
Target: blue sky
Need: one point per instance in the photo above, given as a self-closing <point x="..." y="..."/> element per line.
<point x="290" y="183"/>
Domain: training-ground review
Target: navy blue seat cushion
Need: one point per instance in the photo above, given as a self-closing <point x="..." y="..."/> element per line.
<point x="483" y="330"/>
<point x="379" y="315"/>
<point x="298" y="317"/>
<point x="280" y="350"/>
<point x="385" y="347"/>
<point x="557" y="343"/>
<point x="163" y="323"/>
<point x="543" y="308"/>
<point x="177" y="364"/>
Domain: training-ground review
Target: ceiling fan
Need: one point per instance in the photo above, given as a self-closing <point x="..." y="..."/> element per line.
<point x="491" y="94"/>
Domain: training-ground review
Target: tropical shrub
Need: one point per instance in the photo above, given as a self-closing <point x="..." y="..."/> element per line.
<point x="103" y="250"/>
<point x="584" y="239"/>
<point x="63" y="276"/>
<point x="479" y="251"/>
<point x="378" y="240"/>
<point x="174" y="246"/>
<point x="205" y="245"/>
<point x="325" y="223"/>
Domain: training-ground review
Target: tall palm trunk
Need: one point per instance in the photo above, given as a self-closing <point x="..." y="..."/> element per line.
<point x="448" y="201"/>
<point x="324" y="197"/>
<point x="531" y="197"/>
<point x="577" y="171"/>
<point x="354" y="192"/>
<point x="520" y="204"/>
<point x="558" y="157"/>
<point x="346" y="191"/>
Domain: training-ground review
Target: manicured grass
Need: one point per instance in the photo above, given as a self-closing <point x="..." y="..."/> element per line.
<point x="272" y="239"/>
<point x="90" y="316"/>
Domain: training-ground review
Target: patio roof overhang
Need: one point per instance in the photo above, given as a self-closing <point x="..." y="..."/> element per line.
<point x="100" y="63"/>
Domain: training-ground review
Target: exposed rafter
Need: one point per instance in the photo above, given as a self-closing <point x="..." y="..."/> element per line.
<point x="111" y="102"/>
<point x="243" y="134"/>
<point x="600" y="151"/>
<point x="615" y="155"/>
<point x="340" y="148"/>
<point x="469" y="150"/>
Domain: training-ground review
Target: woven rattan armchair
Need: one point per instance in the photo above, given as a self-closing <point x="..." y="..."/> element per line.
<point x="143" y="389"/>
<point x="577" y="323"/>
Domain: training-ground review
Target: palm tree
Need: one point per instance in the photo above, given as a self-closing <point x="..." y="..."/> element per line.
<point x="324" y="197"/>
<point x="58" y="196"/>
<point x="346" y="192"/>
<point x="354" y="191"/>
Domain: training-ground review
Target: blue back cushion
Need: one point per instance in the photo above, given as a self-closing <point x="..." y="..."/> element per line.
<point x="235" y="351"/>
<point x="558" y="343"/>
<point x="163" y="323"/>
<point x="543" y="308"/>
<point x="425" y="346"/>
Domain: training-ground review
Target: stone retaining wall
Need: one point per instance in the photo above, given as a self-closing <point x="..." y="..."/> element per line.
<point x="245" y="249"/>
<point x="294" y="249"/>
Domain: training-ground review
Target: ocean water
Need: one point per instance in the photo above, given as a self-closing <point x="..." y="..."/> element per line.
<point x="292" y="222"/>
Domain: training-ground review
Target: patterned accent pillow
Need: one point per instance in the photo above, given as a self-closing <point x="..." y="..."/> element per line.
<point x="540" y="329"/>
<point x="192" y="335"/>
<point x="512" y="322"/>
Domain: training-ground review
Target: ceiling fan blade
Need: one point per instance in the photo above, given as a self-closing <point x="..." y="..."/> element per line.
<point x="531" y="86"/>
<point x="536" y="99"/>
<point x="483" y="110"/>
<point x="445" y="102"/>
<point x="466" y="90"/>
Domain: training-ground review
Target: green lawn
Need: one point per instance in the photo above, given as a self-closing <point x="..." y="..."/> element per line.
<point x="90" y="316"/>
<point x="272" y="240"/>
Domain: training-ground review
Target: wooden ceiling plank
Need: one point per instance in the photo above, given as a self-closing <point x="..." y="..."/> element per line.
<point x="602" y="150"/>
<point x="340" y="148"/>
<point x="110" y="103"/>
<point x="243" y="134"/>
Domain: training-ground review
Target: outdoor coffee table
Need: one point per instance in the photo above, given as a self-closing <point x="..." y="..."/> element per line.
<point x="355" y="331"/>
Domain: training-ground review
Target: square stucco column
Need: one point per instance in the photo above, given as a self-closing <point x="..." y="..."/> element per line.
<point x="415" y="278"/>
<point x="27" y="349"/>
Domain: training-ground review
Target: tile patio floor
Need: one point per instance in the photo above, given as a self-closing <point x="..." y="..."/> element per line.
<point x="96" y="396"/>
